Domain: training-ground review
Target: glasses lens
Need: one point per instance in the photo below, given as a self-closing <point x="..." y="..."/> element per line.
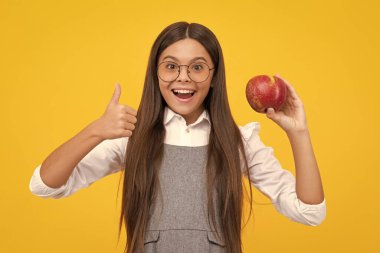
<point x="199" y="71"/>
<point x="168" y="71"/>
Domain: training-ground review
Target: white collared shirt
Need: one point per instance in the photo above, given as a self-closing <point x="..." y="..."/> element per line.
<point x="266" y="173"/>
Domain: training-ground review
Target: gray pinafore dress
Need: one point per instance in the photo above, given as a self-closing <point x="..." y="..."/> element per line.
<point x="178" y="221"/>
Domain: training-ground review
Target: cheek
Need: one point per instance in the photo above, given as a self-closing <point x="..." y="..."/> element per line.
<point x="164" y="90"/>
<point x="202" y="93"/>
<point x="206" y="83"/>
<point x="162" y="87"/>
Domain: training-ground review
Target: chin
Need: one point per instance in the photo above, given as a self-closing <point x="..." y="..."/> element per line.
<point x="182" y="110"/>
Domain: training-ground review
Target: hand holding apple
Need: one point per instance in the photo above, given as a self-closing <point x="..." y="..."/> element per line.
<point x="289" y="113"/>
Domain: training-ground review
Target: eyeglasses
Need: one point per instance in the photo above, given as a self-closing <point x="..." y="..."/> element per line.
<point x="169" y="71"/>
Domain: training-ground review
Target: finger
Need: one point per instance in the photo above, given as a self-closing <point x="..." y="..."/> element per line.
<point x="131" y="111"/>
<point x="130" y="118"/>
<point x="128" y="110"/>
<point x="129" y="126"/>
<point x="127" y="133"/>
<point x="116" y="95"/>
<point x="271" y="114"/>
<point x="275" y="116"/>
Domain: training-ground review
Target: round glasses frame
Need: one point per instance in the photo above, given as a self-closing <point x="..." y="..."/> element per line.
<point x="179" y="71"/>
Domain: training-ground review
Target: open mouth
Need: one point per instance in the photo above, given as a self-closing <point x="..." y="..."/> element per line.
<point x="183" y="95"/>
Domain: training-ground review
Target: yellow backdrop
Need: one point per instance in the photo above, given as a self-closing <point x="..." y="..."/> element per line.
<point x="60" y="60"/>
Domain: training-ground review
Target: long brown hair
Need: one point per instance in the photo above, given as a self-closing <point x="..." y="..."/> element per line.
<point x="144" y="151"/>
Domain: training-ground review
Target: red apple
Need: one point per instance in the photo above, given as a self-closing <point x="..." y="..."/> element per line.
<point x="262" y="92"/>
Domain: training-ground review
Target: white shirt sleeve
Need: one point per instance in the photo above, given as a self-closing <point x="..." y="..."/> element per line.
<point x="106" y="158"/>
<point x="267" y="175"/>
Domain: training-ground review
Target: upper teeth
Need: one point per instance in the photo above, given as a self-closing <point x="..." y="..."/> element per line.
<point x="184" y="91"/>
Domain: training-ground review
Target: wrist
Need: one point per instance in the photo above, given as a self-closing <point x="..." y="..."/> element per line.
<point x="93" y="130"/>
<point x="298" y="132"/>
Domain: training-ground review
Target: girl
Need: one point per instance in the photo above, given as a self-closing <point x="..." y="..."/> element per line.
<point x="184" y="163"/>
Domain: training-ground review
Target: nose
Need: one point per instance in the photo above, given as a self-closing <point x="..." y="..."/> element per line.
<point x="183" y="74"/>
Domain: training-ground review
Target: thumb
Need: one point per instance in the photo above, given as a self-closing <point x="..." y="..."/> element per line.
<point x="271" y="114"/>
<point x="116" y="94"/>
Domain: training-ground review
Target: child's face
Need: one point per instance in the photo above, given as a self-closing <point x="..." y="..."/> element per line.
<point x="185" y="51"/>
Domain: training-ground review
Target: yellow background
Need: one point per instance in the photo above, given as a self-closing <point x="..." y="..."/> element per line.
<point x="60" y="60"/>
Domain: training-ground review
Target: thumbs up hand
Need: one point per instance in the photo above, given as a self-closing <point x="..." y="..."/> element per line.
<point x="118" y="120"/>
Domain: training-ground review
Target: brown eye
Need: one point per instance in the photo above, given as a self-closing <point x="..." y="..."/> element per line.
<point x="171" y="66"/>
<point x="197" y="67"/>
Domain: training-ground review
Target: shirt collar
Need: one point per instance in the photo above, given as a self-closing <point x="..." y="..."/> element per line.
<point x="170" y="114"/>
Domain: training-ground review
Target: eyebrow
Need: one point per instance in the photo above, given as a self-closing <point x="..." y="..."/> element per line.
<point x="194" y="59"/>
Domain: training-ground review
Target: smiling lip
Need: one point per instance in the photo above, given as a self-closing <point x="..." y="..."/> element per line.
<point x="183" y="89"/>
<point x="187" y="100"/>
